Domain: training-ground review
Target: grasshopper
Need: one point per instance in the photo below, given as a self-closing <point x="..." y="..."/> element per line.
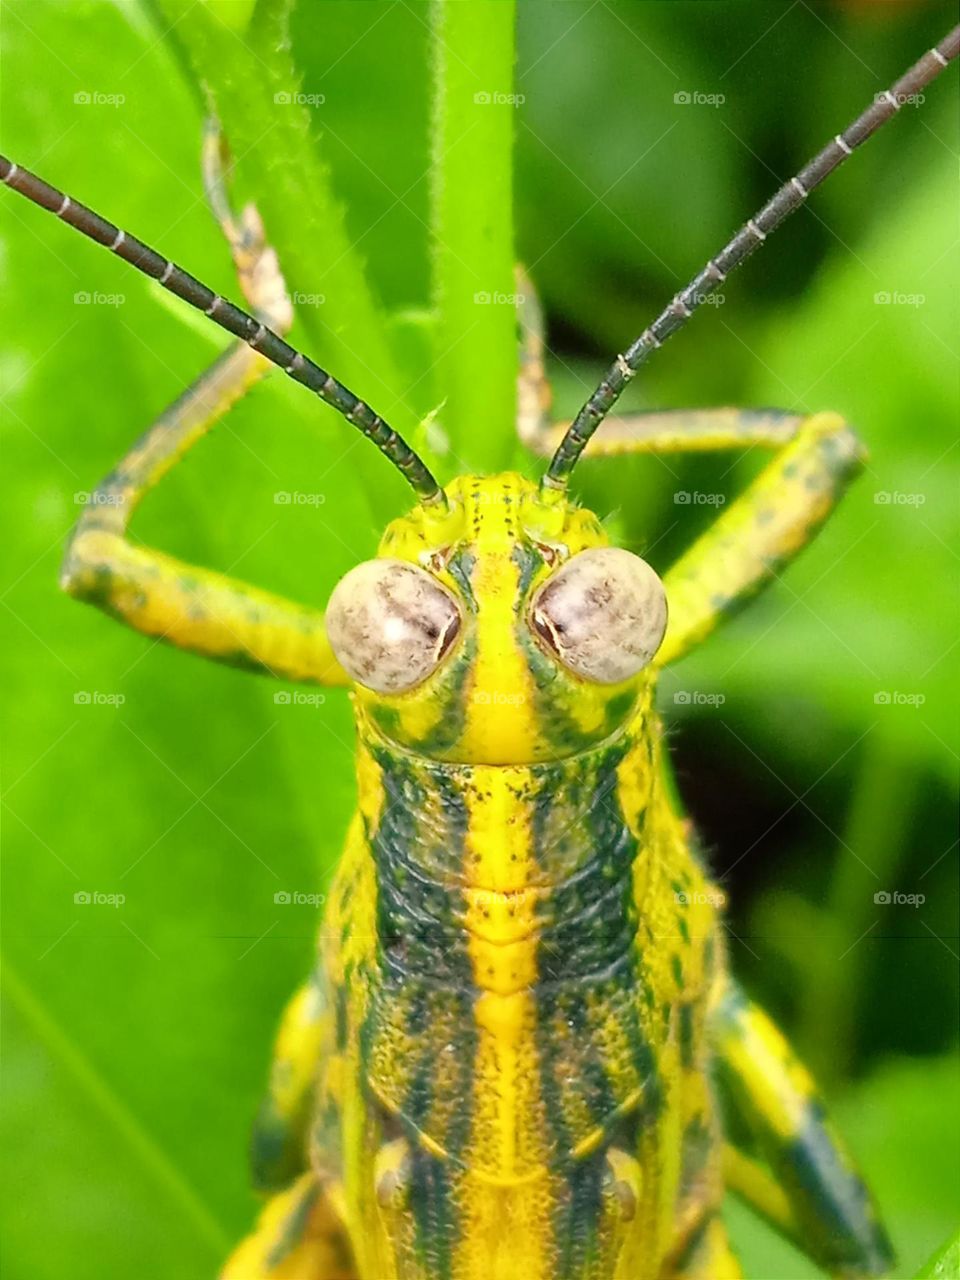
<point x="521" y="1052"/>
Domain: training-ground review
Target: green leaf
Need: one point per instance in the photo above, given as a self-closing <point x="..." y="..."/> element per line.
<point x="945" y="1262"/>
<point x="265" y="110"/>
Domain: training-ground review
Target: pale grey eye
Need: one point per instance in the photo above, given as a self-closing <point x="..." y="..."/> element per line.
<point x="390" y="623"/>
<point x="603" y="614"/>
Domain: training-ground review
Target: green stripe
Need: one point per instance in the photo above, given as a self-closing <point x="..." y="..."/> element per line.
<point x="587" y="971"/>
<point x="422" y="991"/>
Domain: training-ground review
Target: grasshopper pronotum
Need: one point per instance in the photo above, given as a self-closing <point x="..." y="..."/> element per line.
<point x="502" y="1064"/>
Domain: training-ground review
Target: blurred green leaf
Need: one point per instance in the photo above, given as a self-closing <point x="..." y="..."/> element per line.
<point x="945" y="1263"/>
<point x="258" y="95"/>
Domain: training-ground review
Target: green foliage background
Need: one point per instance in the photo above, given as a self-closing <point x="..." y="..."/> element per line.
<point x="137" y="1037"/>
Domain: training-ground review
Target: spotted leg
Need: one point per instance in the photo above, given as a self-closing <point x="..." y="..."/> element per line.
<point x="195" y="608"/>
<point x="299" y="1235"/>
<point x="706" y="1256"/>
<point x="534" y="396"/>
<point x="280" y="1138"/>
<point x="788" y="1163"/>
<point x="777" y="515"/>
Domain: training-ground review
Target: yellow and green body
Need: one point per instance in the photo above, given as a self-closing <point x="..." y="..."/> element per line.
<point x="504" y="1064"/>
<point x="519" y="954"/>
<point x="521" y="1055"/>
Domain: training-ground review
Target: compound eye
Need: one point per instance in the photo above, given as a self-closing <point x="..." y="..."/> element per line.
<point x="603" y="614"/>
<point x="390" y="624"/>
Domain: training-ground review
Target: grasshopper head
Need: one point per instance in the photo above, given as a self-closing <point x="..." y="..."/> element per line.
<point x="504" y="630"/>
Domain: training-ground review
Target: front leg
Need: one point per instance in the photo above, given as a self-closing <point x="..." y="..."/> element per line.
<point x="194" y="608"/>
<point x="795" y="1171"/>
<point x="184" y="605"/>
<point x="298" y="1236"/>
<point x="817" y="457"/>
<point x="279" y="1148"/>
<point x="300" y="1233"/>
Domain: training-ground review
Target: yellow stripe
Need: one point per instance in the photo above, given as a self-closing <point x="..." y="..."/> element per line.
<point x="506" y="1236"/>
<point x="501" y="722"/>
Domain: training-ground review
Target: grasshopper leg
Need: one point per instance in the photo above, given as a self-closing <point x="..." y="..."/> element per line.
<point x="298" y="1237"/>
<point x="707" y="1255"/>
<point x="280" y="1134"/>
<point x="789" y="1164"/>
<point x="817" y="455"/>
<point x="534" y="396"/>
<point x="196" y="609"/>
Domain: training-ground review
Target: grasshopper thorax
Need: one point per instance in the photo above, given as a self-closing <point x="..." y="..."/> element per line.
<point x="502" y="630"/>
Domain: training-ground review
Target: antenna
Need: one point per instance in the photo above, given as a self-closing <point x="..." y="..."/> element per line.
<point x="750" y="236"/>
<point x="230" y="317"/>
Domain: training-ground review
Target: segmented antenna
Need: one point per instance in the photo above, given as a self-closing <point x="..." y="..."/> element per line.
<point x="230" y="317"/>
<point x="750" y="236"/>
